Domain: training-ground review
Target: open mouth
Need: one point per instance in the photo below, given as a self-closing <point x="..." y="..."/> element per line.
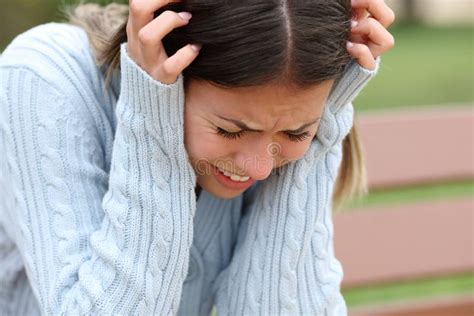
<point x="234" y="177"/>
<point x="232" y="181"/>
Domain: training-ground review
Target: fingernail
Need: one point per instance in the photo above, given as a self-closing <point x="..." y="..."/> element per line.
<point x="185" y="15"/>
<point x="350" y="44"/>
<point x="354" y="23"/>
<point x="196" y="47"/>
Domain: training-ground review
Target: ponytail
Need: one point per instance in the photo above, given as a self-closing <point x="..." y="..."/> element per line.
<point x="351" y="181"/>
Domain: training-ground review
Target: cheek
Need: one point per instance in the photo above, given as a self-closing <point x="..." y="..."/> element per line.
<point x="293" y="151"/>
<point x="202" y="142"/>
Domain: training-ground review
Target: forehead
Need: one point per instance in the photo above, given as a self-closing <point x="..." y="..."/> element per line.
<point x="260" y="104"/>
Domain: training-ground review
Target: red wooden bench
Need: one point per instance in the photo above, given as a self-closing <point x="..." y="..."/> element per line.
<point x="411" y="240"/>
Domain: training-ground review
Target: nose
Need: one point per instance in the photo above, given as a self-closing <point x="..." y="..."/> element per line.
<point x="257" y="162"/>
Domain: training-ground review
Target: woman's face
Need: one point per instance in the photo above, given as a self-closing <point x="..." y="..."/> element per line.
<point x="247" y="131"/>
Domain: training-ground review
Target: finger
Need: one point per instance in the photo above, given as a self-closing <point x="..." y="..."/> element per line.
<point x="377" y="9"/>
<point x="379" y="40"/>
<point x="151" y="35"/>
<point x="141" y="12"/>
<point x="363" y="55"/>
<point x="357" y="38"/>
<point x="359" y="14"/>
<point x="175" y="64"/>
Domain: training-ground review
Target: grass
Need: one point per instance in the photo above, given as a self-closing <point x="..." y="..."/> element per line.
<point x="428" y="65"/>
<point x="404" y="291"/>
<point x="430" y="192"/>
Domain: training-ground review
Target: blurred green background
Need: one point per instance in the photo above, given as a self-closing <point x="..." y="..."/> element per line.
<point x="431" y="65"/>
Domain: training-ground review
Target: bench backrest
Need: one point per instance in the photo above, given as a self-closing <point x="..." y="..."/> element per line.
<point x="406" y="241"/>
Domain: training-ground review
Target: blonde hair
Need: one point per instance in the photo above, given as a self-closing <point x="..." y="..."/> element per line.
<point x="106" y="29"/>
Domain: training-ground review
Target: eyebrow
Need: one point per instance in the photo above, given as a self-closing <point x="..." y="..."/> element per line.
<point x="243" y="126"/>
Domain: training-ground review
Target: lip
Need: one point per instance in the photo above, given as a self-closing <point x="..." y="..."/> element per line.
<point x="228" y="183"/>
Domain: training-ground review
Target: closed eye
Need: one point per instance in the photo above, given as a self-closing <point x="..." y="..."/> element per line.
<point x="229" y="135"/>
<point x="298" y="137"/>
<point x="236" y="135"/>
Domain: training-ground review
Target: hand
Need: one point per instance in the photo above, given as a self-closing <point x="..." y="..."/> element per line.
<point x="370" y="37"/>
<point x="145" y="34"/>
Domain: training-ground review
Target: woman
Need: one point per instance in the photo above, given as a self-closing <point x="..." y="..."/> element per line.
<point x="154" y="194"/>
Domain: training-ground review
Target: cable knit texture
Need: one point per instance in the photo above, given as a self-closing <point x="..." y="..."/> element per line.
<point x="99" y="216"/>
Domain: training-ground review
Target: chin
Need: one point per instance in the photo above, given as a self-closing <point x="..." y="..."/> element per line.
<point x="226" y="195"/>
<point x="218" y="191"/>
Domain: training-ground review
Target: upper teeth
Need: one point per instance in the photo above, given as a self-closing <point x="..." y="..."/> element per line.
<point x="234" y="177"/>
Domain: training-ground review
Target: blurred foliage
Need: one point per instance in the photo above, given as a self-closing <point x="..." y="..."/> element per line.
<point x="17" y="16"/>
<point x="427" y="66"/>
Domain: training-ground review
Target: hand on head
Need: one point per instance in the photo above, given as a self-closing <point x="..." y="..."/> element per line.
<point x="145" y="34"/>
<point x="369" y="37"/>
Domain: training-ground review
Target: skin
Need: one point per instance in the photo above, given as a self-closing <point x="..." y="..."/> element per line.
<point x="272" y="109"/>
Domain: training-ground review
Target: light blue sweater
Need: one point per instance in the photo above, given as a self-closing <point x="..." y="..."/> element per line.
<point x="98" y="213"/>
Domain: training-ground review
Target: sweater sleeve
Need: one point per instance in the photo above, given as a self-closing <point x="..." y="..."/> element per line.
<point x="284" y="262"/>
<point x="93" y="242"/>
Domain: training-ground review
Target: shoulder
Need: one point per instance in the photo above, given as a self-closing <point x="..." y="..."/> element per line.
<point x="50" y="71"/>
<point x="58" y="53"/>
